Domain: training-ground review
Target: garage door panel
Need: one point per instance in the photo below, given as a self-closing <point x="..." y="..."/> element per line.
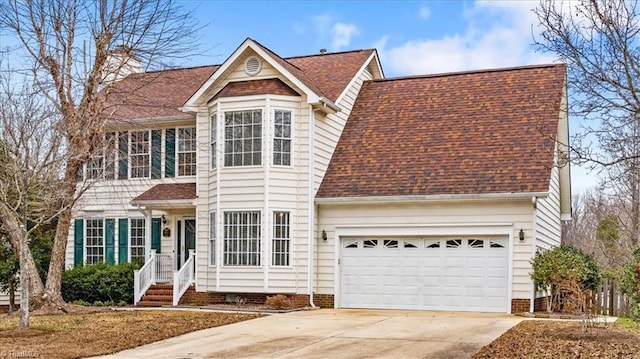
<point x="470" y="276"/>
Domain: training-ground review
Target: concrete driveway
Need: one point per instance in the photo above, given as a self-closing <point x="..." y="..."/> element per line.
<point x="338" y="333"/>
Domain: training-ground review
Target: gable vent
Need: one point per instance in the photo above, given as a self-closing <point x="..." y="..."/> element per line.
<point x="252" y="66"/>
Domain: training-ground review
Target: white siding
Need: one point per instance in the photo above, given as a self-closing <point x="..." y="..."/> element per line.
<point x="329" y="128"/>
<point x="4" y="298"/>
<point x="548" y="225"/>
<point x="517" y="214"/>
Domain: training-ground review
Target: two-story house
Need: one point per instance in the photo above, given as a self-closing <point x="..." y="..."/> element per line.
<point x="318" y="178"/>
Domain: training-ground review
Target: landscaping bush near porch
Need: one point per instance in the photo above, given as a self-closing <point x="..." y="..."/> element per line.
<point x="99" y="284"/>
<point x="630" y="283"/>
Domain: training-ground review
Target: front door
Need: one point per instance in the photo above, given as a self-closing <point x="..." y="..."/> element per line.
<point x="186" y="240"/>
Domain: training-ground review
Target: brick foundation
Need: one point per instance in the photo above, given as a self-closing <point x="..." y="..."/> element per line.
<point x="541" y="304"/>
<point x="520" y="305"/>
<point x="191" y="297"/>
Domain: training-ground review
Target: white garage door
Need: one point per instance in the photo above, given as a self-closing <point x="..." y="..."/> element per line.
<point x="467" y="274"/>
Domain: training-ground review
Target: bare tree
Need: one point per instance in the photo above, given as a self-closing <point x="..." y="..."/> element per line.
<point x="68" y="44"/>
<point x="598" y="40"/>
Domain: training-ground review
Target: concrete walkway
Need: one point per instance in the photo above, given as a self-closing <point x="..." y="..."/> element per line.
<point x="338" y="333"/>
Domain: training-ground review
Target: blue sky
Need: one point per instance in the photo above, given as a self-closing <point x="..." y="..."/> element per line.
<point x="412" y="37"/>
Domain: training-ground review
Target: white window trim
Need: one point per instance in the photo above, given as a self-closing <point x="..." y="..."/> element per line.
<point x="149" y="153"/>
<point x="130" y="237"/>
<point x="178" y="152"/>
<point x="260" y="239"/>
<point x="85" y="240"/>
<point x="272" y="238"/>
<point x="263" y="143"/>
<point x="291" y="139"/>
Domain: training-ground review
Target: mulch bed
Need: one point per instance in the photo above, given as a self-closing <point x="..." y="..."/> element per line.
<point x="561" y="339"/>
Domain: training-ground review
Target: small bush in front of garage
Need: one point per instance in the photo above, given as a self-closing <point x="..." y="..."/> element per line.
<point x="565" y="272"/>
<point x="278" y="302"/>
<point x="99" y="284"/>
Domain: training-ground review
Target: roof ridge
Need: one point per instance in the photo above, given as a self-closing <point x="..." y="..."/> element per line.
<point x="327" y="53"/>
<point x="468" y="72"/>
<point x="177" y="69"/>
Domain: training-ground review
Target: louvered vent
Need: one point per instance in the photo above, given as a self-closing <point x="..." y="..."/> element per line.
<point x="252" y="66"/>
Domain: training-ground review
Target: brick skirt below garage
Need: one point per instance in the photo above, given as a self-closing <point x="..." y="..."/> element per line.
<point x="522" y="305"/>
<point x="191" y="297"/>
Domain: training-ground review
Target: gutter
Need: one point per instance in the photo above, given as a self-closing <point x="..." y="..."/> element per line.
<point x="328" y="103"/>
<point x="430" y="198"/>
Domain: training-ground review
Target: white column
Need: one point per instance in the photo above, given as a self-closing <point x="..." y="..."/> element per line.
<point x="147" y="230"/>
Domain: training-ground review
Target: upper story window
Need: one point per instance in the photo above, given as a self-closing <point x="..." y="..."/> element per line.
<point x="282" y="138"/>
<point x="102" y="163"/>
<point x="187" y="151"/>
<point x="243" y="138"/>
<point x="140" y="154"/>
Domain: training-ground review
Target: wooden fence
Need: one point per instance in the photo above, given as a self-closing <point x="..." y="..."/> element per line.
<point x="610" y="301"/>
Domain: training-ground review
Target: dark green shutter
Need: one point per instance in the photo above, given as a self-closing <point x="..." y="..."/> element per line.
<point x="78" y="242"/>
<point x="170" y="153"/>
<point x="123" y="240"/>
<point x="110" y="232"/>
<point x="156" y="224"/>
<point x="156" y="153"/>
<point x="123" y="155"/>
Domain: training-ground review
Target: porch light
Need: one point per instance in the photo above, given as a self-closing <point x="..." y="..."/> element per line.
<point x="164" y="219"/>
<point x="324" y="235"/>
<point x="521" y="235"/>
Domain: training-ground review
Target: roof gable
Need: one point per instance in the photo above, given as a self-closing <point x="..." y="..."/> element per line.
<point x="466" y="133"/>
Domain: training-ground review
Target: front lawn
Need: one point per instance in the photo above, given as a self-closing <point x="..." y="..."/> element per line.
<point x="90" y="334"/>
<point x="561" y="339"/>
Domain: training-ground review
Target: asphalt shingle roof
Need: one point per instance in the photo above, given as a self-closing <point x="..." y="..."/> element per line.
<point x="168" y="192"/>
<point x="462" y="133"/>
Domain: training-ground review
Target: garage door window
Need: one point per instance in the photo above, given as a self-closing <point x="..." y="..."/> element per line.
<point x="370" y="243"/>
<point x="475" y="243"/>
<point x="454" y="243"/>
<point x="390" y="243"/>
<point x="350" y="244"/>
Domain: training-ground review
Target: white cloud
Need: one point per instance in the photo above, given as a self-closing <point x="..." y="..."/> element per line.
<point x="342" y="34"/>
<point x="498" y="34"/>
<point x="424" y="13"/>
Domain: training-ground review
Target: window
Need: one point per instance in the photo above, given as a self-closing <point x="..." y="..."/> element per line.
<point x="102" y="163"/>
<point x="282" y="138"/>
<point x="140" y="154"/>
<point x="370" y="243"/>
<point x="281" y="239"/>
<point x="454" y="243"/>
<point x="212" y="238"/>
<point x="95" y="169"/>
<point x="95" y="240"/>
<point x="242" y="238"/>
<point x="137" y="234"/>
<point x="390" y="243"/>
<point x="475" y="243"/>
<point x="187" y="151"/>
<point x="432" y="243"/>
<point x="214" y="139"/>
<point x="243" y="138"/>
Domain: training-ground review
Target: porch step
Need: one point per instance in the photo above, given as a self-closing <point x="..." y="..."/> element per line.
<point x="157" y="296"/>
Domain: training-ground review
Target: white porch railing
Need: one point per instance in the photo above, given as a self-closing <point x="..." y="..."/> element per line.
<point x="144" y="277"/>
<point x="183" y="278"/>
<point x="164" y="268"/>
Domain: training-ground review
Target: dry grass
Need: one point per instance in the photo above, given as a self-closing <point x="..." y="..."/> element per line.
<point x="89" y="334"/>
<point x="556" y="339"/>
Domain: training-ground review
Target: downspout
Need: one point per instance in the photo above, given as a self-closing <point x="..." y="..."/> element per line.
<point x="534" y="201"/>
<point x="311" y="204"/>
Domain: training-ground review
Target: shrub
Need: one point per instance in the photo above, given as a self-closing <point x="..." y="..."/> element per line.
<point x="630" y="283"/>
<point x="99" y="283"/>
<point x="554" y="268"/>
<point x="278" y="302"/>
